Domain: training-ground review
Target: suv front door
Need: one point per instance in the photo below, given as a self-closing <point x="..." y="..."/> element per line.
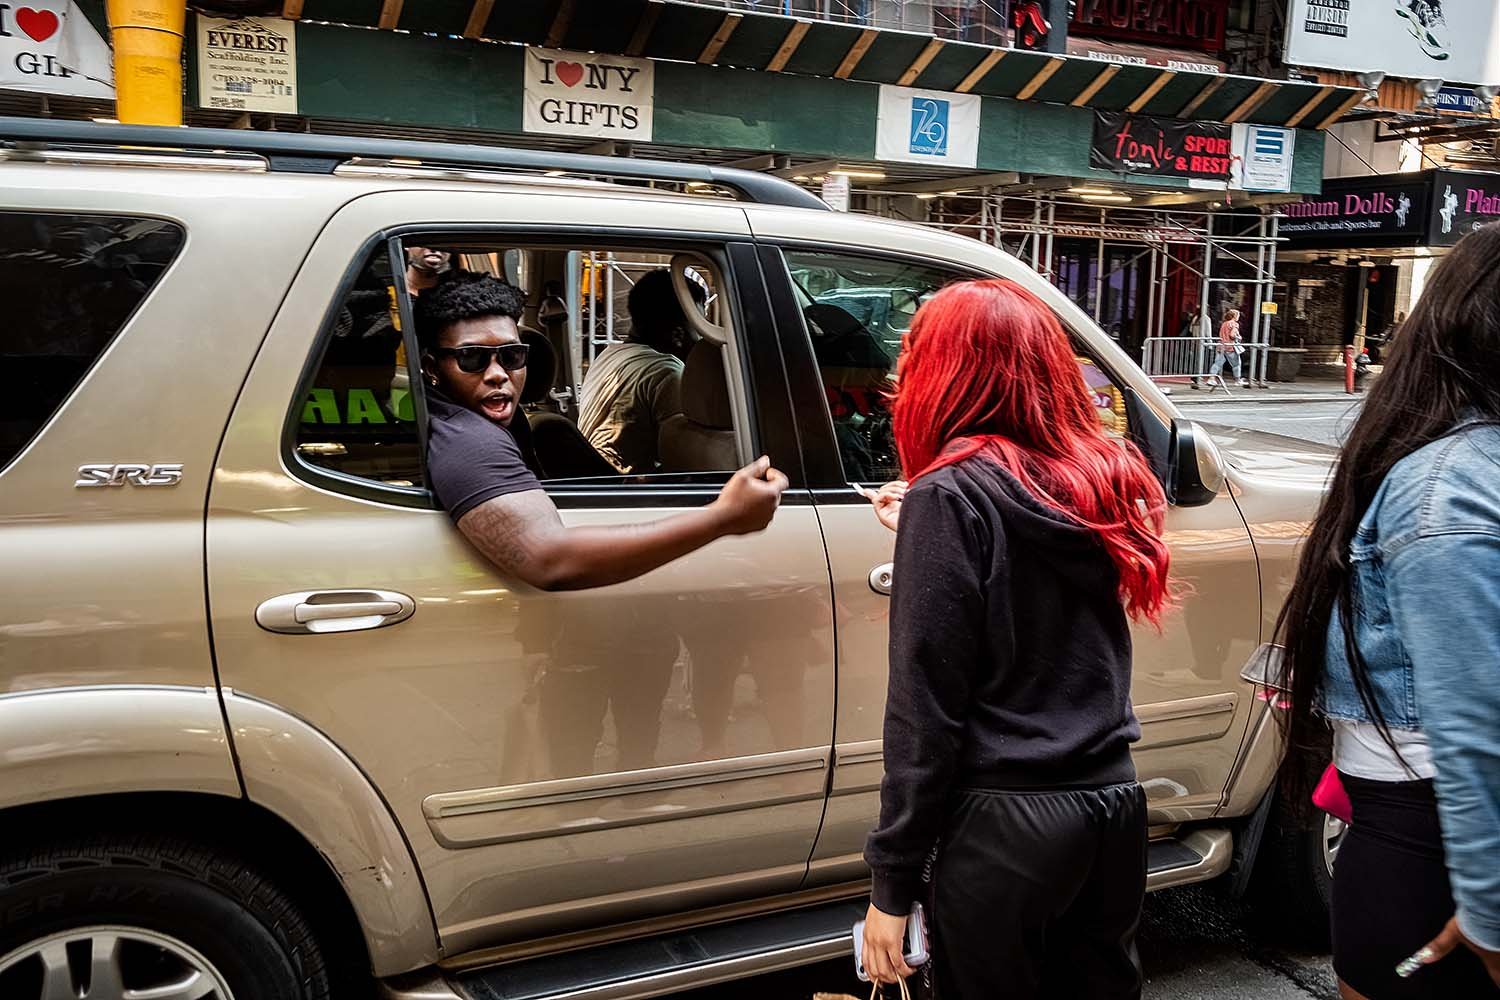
<point x="555" y="761"/>
<point x="1192" y="704"/>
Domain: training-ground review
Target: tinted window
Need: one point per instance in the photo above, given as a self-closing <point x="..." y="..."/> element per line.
<point x="69" y="283"/>
<point x="358" y="415"/>
<point x="857" y="310"/>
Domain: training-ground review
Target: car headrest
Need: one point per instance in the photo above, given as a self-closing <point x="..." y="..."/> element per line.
<point x="705" y="394"/>
<point x="541" y="366"/>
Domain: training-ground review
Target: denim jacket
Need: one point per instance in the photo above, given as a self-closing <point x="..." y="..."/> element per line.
<point x="1426" y="601"/>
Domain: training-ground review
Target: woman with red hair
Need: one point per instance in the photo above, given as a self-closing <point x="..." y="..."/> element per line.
<point x="1026" y="539"/>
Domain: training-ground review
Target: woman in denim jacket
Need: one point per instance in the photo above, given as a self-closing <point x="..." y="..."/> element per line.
<point x="1393" y="634"/>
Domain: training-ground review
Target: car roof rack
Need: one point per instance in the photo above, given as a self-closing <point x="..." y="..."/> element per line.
<point x="303" y="152"/>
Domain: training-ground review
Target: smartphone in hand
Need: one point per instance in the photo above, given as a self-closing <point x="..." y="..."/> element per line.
<point x="915" y="951"/>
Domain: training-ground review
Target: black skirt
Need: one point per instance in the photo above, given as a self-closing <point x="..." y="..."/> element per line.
<point x="1391" y="896"/>
<point x="1038" y="894"/>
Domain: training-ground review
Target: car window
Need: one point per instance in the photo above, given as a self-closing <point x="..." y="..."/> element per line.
<point x="357" y="417"/>
<point x="70" y="282"/>
<point x="619" y="387"/>
<point x="857" y="310"/>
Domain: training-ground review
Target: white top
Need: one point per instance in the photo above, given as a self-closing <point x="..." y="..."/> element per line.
<point x="1358" y="750"/>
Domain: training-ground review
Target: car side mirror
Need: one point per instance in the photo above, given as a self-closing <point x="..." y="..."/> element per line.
<point x="1195" y="471"/>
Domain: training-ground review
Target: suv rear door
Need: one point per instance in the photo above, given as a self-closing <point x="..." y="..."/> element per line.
<point x="555" y="760"/>
<point x="1191" y="702"/>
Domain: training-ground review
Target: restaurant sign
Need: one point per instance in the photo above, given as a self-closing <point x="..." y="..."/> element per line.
<point x="1183" y="24"/>
<point x="1137" y="144"/>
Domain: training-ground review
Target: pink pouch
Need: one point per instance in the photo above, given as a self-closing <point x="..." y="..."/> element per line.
<point x="1330" y="796"/>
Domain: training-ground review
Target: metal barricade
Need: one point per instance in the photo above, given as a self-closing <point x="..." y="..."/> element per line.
<point x="1189" y="359"/>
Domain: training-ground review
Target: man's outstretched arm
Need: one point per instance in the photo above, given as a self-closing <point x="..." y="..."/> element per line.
<point x="523" y="536"/>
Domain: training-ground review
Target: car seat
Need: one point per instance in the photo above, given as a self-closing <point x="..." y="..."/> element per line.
<point x="701" y="437"/>
<point x="561" y="449"/>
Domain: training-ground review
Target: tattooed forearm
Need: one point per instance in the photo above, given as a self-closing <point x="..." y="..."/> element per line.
<point x="526" y="540"/>
<point x="514" y="532"/>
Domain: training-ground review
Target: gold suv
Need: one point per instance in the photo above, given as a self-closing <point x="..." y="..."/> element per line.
<point x="270" y="728"/>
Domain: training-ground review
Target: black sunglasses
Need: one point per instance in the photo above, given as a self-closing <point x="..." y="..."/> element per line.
<point x="473" y="360"/>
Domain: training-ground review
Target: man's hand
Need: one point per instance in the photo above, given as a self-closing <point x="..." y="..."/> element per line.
<point x="884" y="947"/>
<point x="1438" y="948"/>
<point x="887" y="502"/>
<point x="750" y="498"/>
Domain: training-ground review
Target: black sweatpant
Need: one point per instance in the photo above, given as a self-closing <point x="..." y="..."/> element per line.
<point x="1391" y="896"/>
<point x="1037" y="894"/>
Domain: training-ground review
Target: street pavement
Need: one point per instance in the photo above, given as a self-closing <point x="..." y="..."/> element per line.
<point x="1317" y="412"/>
<point x="1195" y="944"/>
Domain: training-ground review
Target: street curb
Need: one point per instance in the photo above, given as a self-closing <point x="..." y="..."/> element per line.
<point x="1250" y="396"/>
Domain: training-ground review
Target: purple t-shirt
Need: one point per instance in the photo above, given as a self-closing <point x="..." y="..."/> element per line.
<point x="471" y="459"/>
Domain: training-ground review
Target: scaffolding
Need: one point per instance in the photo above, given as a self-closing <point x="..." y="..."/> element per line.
<point x="1229" y="257"/>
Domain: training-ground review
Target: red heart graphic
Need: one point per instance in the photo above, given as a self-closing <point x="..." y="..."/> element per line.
<point x="39" y="24"/>
<point x="569" y="72"/>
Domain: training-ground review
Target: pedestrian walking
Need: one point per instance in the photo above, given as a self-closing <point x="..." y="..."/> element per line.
<point x="1025" y="542"/>
<point x="1391" y="635"/>
<point x="1228" y="348"/>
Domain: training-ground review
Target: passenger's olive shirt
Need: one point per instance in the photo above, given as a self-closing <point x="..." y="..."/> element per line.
<point x="471" y="459"/>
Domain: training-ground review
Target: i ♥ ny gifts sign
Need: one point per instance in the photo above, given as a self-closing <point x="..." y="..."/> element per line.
<point x="588" y="94"/>
<point x="50" y="47"/>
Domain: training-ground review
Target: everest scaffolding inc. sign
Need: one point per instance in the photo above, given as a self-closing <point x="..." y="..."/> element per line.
<point x="247" y="64"/>
<point x="927" y="126"/>
<point x="49" y="46"/>
<point x="589" y="94"/>
<point x="1456" y="40"/>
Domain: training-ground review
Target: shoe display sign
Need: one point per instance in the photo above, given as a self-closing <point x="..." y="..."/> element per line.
<point x="1421" y="39"/>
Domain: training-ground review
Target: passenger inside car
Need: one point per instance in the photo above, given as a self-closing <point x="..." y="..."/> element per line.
<point x="633" y="388"/>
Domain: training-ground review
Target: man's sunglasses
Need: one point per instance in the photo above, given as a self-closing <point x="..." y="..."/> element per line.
<point x="473" y="360"/>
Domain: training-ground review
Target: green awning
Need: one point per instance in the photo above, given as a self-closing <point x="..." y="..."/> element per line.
<point x="743" y="39"/>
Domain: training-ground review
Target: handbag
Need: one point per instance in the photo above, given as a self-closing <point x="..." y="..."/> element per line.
<point x="1330" y="796"/>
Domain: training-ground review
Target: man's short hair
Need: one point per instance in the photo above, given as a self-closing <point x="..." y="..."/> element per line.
<point x="655" y="312"/>
<point x="467" y="298"/>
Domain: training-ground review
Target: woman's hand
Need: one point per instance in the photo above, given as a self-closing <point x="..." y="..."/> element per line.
<point x="887" y="502"/>
<point x="884" y="947"/>
<point x="1438" y="948"/>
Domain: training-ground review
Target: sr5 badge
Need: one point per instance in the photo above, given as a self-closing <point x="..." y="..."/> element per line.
<point x="168" y="474"/>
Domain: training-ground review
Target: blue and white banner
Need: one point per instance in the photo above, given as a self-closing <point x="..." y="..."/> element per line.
<point x="927" y="126"/>
<point x="1262" y="158"/>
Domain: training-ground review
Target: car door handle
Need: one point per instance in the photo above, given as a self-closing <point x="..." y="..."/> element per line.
<point x="880" y="578"/>
<point x="312" y="612"/>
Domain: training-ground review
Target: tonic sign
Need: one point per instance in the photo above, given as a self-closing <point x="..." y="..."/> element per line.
<point x="589" y="94"/>
<point x="1136" y="144"/>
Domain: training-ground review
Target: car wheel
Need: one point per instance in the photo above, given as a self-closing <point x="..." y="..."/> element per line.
<point x="1293" y="882"/>
<point x="150" y="917"/>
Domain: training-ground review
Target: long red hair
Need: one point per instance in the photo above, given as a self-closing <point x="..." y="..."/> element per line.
<point x="987" y="370"/>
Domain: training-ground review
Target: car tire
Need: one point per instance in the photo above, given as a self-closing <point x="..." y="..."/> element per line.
<point x="1293" y="882"/>
<point x="128" y="913"/>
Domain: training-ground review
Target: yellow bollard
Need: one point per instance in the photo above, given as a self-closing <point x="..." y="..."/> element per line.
<point x="148" y="60"/>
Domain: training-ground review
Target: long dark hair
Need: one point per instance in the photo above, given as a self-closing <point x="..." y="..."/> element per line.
<point x="1445" y="364"/>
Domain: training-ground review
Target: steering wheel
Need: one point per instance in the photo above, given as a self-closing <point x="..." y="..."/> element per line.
<point x="712" y="332"/>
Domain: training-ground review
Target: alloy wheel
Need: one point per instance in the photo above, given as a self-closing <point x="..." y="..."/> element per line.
<point x="109" y="963"/>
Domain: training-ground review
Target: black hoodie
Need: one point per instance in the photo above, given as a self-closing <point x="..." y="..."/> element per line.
<point x="1009" y="662"/>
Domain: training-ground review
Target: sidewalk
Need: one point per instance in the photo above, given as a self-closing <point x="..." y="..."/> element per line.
<point x="1304" y="390"/>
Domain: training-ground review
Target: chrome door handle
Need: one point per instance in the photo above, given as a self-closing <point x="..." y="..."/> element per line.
<point x="880" y="578"/>
<point x="320" y="611"/>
